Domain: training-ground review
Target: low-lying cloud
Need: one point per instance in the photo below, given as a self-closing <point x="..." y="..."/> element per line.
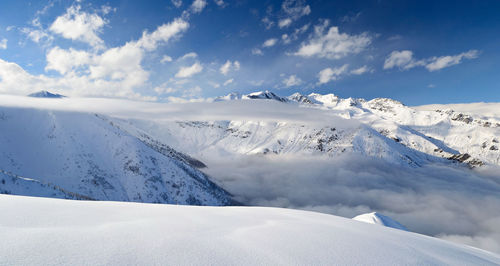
<point x="460" y="205"/>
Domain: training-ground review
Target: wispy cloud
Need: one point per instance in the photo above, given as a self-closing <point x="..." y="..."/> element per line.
<point x="404" y="60"/>
<point x="186" y="72"/>
<point x="270" y="42"/>
<point x="361" y="70"/>
<point x="228" y="66"/>
<point x="293" y="10"/>
<point x="291" y="81"/>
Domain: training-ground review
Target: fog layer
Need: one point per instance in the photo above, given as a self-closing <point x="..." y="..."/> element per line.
<point x="461" y="205"/>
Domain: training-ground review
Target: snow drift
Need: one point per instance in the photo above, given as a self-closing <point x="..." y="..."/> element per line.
<point x="37" y="231"/>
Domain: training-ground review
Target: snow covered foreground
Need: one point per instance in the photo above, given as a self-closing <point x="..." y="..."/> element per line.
<point x="42" y="231"/>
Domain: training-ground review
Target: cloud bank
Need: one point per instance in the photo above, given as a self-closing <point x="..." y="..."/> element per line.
<point x="454" y="204"/>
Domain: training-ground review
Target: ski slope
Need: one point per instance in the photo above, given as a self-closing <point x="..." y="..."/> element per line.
<point x="42" y="231"/>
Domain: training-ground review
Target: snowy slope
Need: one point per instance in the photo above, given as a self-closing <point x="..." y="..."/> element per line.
<point x="87" y="155"/>
<point x="379" y="219"/>
<point x="37" y="231"/>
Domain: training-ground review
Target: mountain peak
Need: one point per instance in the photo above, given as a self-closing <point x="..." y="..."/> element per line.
<point x="266" y="95"/>
<point x="45" y="94"/>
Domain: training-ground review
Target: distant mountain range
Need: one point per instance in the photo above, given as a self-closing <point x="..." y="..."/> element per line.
<point x="94" y="156"/>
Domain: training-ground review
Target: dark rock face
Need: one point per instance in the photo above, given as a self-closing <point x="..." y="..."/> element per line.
<point x="463" y="118"/>
<point x="466" y="158"/>
<point x="462" y="157"/>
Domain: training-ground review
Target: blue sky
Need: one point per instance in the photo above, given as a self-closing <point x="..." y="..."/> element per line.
<point x="418" y="52"/>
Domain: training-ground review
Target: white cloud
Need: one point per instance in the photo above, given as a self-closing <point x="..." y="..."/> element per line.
<point x="15" y="80"/>
<point x="164" y="90"/>
<point x="332" y="44"/>
<point x="292" y="80"/>
<point x="37" y="35"/>
<point x="121" y="64"/>
<point x="441" y="62"/>
<point x="404" y="60"/>
<point x="227" y="82"/>
<point x="105" y="9"/>
<point x="165" y="59"/>
<point x="219" y="2"/>
<point x="3" y="44"/>
<point x="270" y="42"/>
<point x="64" y="61"/>
<point x="177" y="3"/>
<point x="361" y="70"/>
<point x="294" y="9"/>
<point x="257" y="51"/>
<point x="78" y="25"/>
<point x="401" y="59"/>
<point x="186" y="72"/>
<point x="328" y="74"/>
<point x="163" y="33"/>
<point x="284" y="22"/>
<point x="286" y="38"/>
<point x="114" y="72"/>
<point x="224" y="69"/>
<point x="188" y="55"/>
<point x="198" y="5"/>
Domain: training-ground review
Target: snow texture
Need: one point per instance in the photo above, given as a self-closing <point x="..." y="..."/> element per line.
<point x="37" y="231"/>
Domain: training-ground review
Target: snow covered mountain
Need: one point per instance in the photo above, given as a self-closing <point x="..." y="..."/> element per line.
<point x="86" y="156"/>
<point x="386" y="129"/>
<point x="117" y="233"/>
